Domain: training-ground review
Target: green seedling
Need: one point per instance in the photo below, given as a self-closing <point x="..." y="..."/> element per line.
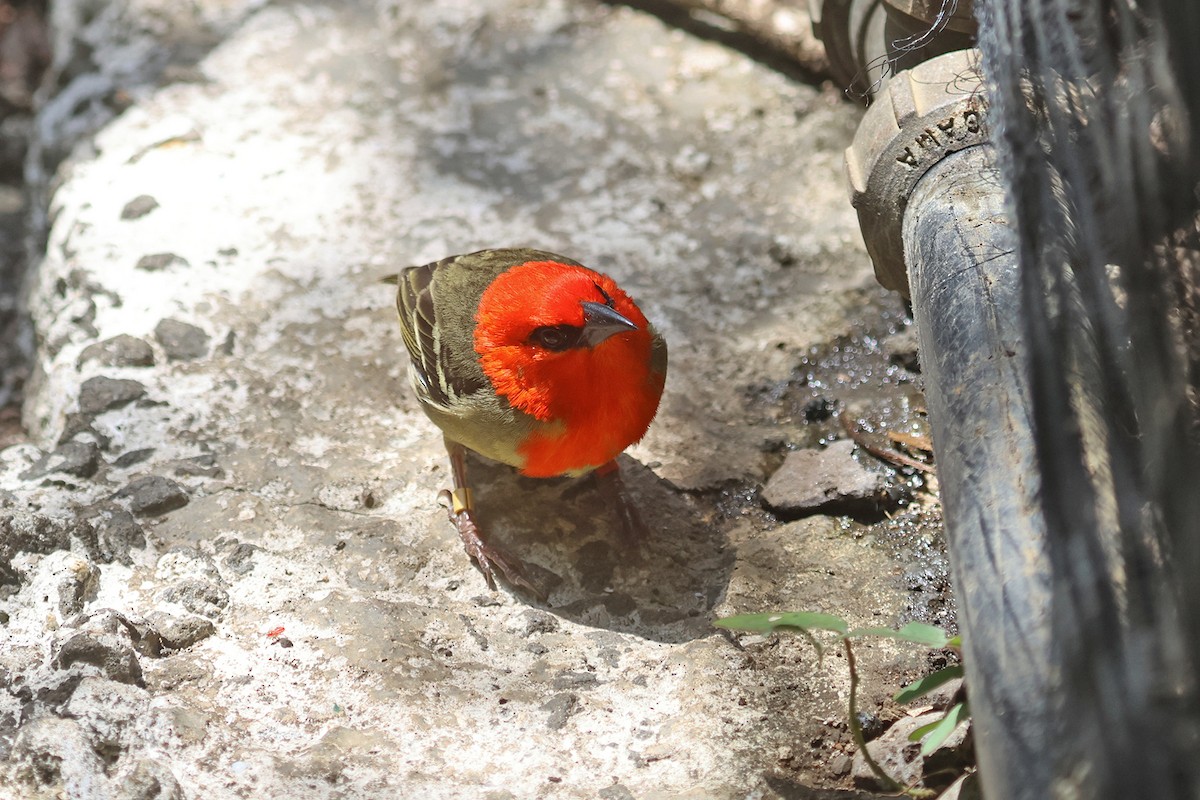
<point x="805" y="622"/>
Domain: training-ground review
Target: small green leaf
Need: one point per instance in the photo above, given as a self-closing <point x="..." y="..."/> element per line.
<point x="925" y="685"/>
<point x="765" y="623"/>
<point x="940" y="730"/>
<point x="920" y="732"/>
<point x="915" y="632"/>
<point x="955" y="641"/>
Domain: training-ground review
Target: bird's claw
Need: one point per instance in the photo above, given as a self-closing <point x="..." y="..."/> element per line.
<point x="489" y="557"/>
<point x="633" y="528"/>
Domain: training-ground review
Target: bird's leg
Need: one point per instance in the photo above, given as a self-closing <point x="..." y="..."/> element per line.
<point x="633" y="529"/>
<point x="462" y="514"/>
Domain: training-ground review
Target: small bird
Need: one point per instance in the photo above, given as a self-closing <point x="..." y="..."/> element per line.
<point x="533" y="360"/>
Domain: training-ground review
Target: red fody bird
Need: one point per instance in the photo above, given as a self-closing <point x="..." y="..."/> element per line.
<point x="533" y="360"/>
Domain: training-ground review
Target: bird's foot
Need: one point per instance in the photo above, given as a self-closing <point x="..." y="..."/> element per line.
<point x="488" y="557"/>
<point x="633" y="528"/>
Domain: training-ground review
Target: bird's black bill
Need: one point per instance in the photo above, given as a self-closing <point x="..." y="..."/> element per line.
<point x="601" y="322"/>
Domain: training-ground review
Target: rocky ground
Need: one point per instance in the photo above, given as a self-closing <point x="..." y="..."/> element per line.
<point x="223" y="569"/>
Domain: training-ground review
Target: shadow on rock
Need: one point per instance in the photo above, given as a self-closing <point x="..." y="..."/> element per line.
<point x="571" y="541"/>
<point x="788" y="789"/>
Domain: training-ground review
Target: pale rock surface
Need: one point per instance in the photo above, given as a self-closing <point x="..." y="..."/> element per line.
<point x="285" y="611"/>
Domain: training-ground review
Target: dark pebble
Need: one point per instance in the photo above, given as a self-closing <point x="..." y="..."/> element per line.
<point x="80" y="459"/>
<point x="160" y="261"/>
<point x="872" y="725"/>
<point x="118" y="533"/>
<point x="568" y="680"/>
<point x="153" y="495"/>
<point x="241" y="560"/>
<point x="139" y="206"/>
<point x="101" y="394"/>
<point x="132" y="457"/>
<point x="116" y="661"/>
<point x="75" y="423"/>
<point x="561" y="708"/>
<point x="119" y="351"/>
<point x="181" y="341"/>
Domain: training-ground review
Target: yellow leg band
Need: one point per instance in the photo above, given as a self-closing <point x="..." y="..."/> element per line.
<point x="461" y="500"/>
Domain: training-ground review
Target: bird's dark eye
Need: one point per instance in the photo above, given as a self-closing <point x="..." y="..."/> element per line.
<point x="556" y="338"/>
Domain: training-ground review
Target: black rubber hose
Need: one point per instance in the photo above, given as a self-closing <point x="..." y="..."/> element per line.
<point x="962" y="269"/>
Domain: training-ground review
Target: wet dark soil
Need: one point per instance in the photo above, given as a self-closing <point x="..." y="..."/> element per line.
<point x="870" y="379"/>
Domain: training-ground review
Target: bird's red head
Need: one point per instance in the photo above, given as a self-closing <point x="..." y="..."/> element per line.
<point x="565" y="344"/>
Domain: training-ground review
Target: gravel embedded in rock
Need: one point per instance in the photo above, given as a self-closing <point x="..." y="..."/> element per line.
<point x="181" y="631"/>
<point x="101" y="394"/>
<point x="561" y="708"/>
<point x="180" y="340"/>
<point x="76" y="423"/>
<point x="201" y="466"/>
<point x="80" y="459"/>
<point x="108" y="640"/>
<point x="153" y="495"/>
<point x="66" y="581"/>
<point x="241" y="560"/>
<point x="132" y="457"/>
<point x="119" y="351"/>
<point x="85" y="752"/>
<point x="21" y="532"/>
<point x="160" y="261"/>
<point x="538" y="622"/>
<point x="829" y="480"/>
<point x="117" y="533"/>
<point x="138" y="207"/>
<point x="116" y="660"/>
<point x="313" y="339"/>
<point x="198" y="596"/>
<point x="571" y="680"/>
